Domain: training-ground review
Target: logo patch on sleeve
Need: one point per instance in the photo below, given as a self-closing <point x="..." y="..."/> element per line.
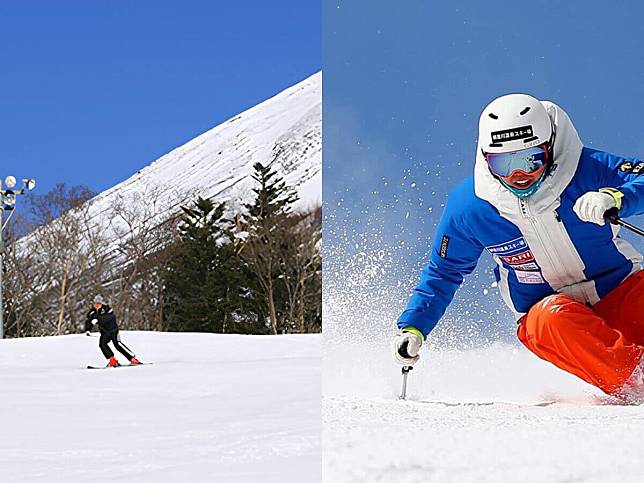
<point x="631" y="168"/>
<point x="444" y="243"/>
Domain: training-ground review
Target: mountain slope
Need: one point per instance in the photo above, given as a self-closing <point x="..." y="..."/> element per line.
<point x="286" y="128"/>
<point x="205" y="411"/>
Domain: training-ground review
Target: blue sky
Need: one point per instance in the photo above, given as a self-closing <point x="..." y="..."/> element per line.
<point x="91" y="91"/>
<point x="406" y="81"/>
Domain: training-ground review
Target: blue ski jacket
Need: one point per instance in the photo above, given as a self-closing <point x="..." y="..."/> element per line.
<point x="539" y="244"/>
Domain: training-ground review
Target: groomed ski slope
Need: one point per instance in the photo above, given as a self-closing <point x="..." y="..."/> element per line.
<point x="211" y="408"/>
<point x="494" y="414"/>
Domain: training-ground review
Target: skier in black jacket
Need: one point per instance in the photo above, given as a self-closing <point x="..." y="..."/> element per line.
<point x="103" y="316"/>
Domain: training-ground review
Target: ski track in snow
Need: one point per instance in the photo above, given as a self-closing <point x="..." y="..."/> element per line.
<point x="211" y="408"/>
<point x="493" y="414"/>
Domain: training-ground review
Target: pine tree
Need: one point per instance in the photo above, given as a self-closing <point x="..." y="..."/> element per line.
<point x="196" y="284"/>
<point x="264" y="225"/>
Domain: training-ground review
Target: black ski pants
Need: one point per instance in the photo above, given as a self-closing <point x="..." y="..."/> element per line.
<point x="114" y="338"/>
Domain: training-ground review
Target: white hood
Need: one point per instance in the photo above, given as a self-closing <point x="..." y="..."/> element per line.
<point x="567" y="150"/>
<point x="559" y="262"/>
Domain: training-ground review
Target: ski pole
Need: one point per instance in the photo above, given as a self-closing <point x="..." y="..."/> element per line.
<point x="405" y="373"/>
<point x="611" y="215"/>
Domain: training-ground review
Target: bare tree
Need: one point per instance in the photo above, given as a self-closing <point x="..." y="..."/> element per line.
<point x="143" y="227"/>
<point x="56" y="202"/>
<point x="63" y="215"/>
<point x="300" y="264"/>
<point x="70" y="247"/>
<point x="51" y="265"/>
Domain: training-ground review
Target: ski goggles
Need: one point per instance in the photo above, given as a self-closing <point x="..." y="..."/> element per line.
<point x="527" y="160"/>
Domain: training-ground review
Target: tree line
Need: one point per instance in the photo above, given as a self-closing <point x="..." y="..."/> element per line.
<point x="212" y="267"/>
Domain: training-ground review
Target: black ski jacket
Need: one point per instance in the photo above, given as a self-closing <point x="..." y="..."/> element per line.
<point x="105" y="317"/>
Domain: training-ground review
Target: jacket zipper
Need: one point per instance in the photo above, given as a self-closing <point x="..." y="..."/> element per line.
<point x="552" y="255"/>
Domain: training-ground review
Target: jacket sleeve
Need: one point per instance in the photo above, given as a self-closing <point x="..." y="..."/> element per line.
<point x="454" y="254"/>
<point x="627" y="175"/>
<point x="88" y="321"/>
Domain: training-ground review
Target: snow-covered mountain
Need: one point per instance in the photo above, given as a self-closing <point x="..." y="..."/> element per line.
<point x="286" y="128"/>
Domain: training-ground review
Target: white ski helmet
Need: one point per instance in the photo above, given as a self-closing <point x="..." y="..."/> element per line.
<point x="513" y="122"/>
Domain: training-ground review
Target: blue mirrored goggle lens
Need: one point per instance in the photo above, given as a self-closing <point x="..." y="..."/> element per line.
<point x="528" y="160"/>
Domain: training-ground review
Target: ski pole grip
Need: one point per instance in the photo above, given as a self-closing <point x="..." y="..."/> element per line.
<point x="611" y="215"/>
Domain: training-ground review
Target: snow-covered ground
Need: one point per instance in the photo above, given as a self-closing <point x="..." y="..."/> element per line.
<point x="212" y="408"/>
<point x="493" y="414"/>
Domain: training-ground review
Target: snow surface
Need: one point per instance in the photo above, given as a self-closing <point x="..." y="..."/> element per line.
<point x="212" y="408"/>
<point x="493" y="414"/>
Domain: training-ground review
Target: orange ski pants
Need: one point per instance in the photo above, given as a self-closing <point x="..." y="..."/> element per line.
<point x="601" y="344"/>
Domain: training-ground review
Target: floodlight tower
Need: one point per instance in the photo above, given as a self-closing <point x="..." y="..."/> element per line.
<point x="8" y="196"/>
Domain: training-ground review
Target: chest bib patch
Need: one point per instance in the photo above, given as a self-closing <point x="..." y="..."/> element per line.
<point x="516" y="255"/>
<point x="509" y="247"/>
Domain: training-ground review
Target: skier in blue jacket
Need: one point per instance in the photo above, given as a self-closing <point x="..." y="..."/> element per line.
<point x="537" y="203"/>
